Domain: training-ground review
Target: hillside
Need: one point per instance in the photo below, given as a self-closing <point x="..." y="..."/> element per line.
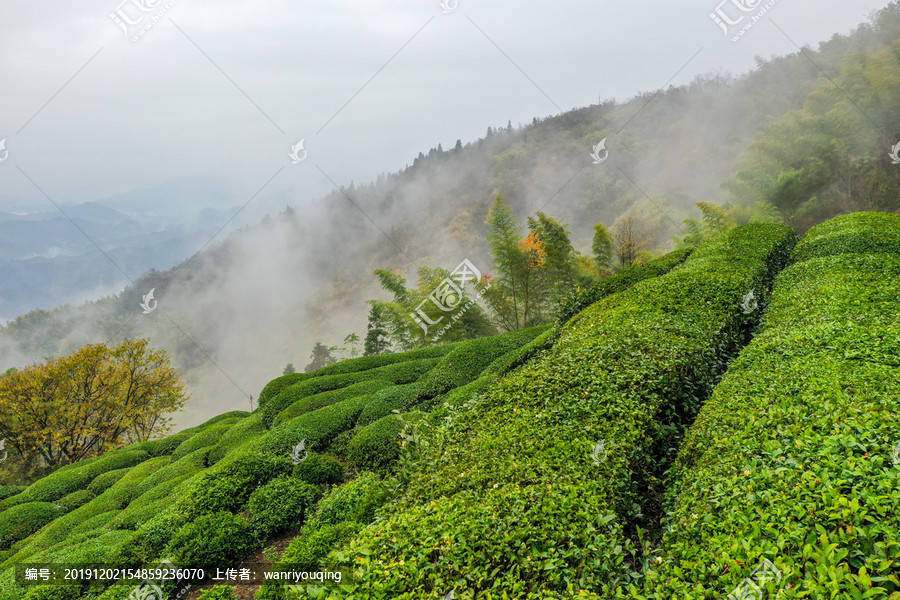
<point x="663" y="442"/>
<point x="235" y="313"/>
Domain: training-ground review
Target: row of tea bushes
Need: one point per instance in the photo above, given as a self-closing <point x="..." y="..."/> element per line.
<point x="796" y="457"/>
<point x="530" y="495"/>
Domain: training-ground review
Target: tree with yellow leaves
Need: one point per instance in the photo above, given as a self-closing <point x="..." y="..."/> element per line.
<point x="98" y="398"/>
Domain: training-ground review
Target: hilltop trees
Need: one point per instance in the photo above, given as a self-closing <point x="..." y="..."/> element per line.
<point x="95" y="399"/>
<point x="834" y="154"/>
<point x="602" y="247"/>
<point x="533" y="272"/>
<point x="320" y="357"/>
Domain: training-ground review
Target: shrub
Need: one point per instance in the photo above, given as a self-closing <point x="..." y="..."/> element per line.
<point x="75" y="477"/>
<point x="152" y="537"/>
<point x="20" y="521"/>
<point x="209" y="436"/>
<point x="320" y="469"/>
<point x="75" y="499"/>
<point x="318" y="427"/>
<point x="404" y="372"/>
<point x="376" y="445"/>
<point x="210" y="541"/>
<point x="104" y="480"/>
<point x="465" y="362"/>
<point x="356" y="500"/>
<point x="229" y="485"/>
<point x="281" y="504"/>
<point x="398" y="397"/>
<point x="790" y="459"/>
<point x="237" y="436"/>
<point x="7" y="491"/>
<point x="622" y="280"/>
<point x="365" y="363"/>
<point x="852" y="233"/>
<point x="218" y="592"/>
<point x="511" y="500"/>
<point x="519" y="356"/>
<point x="310" y="403"/>
<point x="278" y="384"/>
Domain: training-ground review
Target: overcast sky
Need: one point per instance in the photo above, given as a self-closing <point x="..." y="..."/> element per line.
<point x="224" y="88"/>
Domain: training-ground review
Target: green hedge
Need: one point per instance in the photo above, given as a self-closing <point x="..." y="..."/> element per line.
<point x="310" y="403"/>
<point x="7" y="491"/>
<point x="399" y="397"/>
<point x="469" y="358"/>
<point x="376" y="445"/>
<point x="620" y="281"/>
<point x="510" y="500"/>
<point x="218" y="592"/>
<point x="318" y="427"/>
<point x="852" y="233"/>
<point x="211" y="541"/>
<point x="356" y="500"/>
<point x="227" y="486"/>
<point x="20" y="521"/>
<point x="274" y="387"/>
<point x="320" y="469"/>
<point x="103" y="481"/>
<point x="209" y="436"/>
<point x="404" y="372"/>
<point x="790" y="460"/>
<point x="238" y="435"/>
<point x="342" y="513"/>
<point x="75" y="499"/>
<point x="281" y="504"/>
<point x="365" y="363"/>
<point x="75" y="477"/>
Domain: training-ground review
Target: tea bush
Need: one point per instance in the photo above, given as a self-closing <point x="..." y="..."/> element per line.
<point x="20" y="521"/>
<point x="228" y="486"/>
<point x="617" y="282"/>
<point x="310" y="403"/>
<point x="281" y="504"/>
<point x="320" y="469"/>
<point x="790" y="460"/>
<point x="376" y="445"/>
<point x="212" y="540"/>
<point x="516" y="498"/>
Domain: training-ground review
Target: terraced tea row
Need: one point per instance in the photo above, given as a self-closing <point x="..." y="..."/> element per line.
<point x="533" y="490"/>
<point x="795" y="460"/>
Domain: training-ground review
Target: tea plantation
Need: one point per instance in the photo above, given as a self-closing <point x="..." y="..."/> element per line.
<point x="685" y="422"/>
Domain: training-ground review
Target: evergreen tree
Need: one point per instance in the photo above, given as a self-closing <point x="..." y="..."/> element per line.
<point x="376" y="334"/>
<point x="602" y="247"/>
<point x="288" y="369"/>
<point x="321" y="357"/>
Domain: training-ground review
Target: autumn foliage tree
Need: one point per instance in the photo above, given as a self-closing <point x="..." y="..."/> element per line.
<point x="98" y="398"/>
<point x="532" y="271"/>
